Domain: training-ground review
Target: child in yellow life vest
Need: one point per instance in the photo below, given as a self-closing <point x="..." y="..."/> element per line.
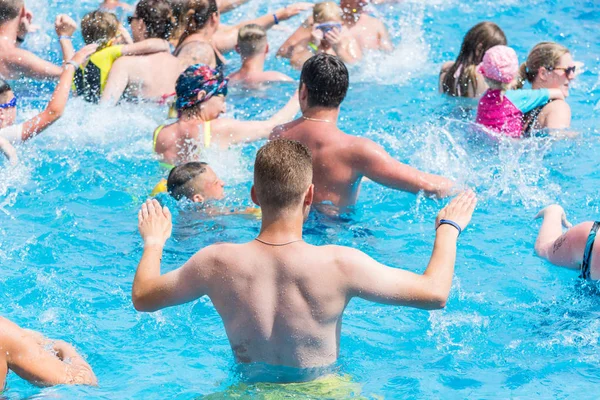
<point x="104" y="29"/>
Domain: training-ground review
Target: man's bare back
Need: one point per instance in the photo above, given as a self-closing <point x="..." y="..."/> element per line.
<point x="281" y="300"/>
<point x="340" y="161"/>
<point x="289" y="298"/>
<point x="335" y="178"/>
<point x="371" y="33"/>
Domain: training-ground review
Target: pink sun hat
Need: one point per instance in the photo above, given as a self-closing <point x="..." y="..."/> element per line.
<point x="500" y="63"/>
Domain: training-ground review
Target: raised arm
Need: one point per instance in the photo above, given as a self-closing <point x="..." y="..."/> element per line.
<point x="118" y="79"/>
<point x="373" y="281"/>
<point x="152" y="291"/>
<point x="564" y="250"/>
<point x="148" y="46"/>
<point x="27" y="356"/>
<point x="23" y="63"/>
<point x="226" y="37"/>
<point x="59" y="99"/>
<point x="372" y="161"/>
<point x="228" y="5"/>
<point x="232" y="131"/>
<point x="65" y="26"/>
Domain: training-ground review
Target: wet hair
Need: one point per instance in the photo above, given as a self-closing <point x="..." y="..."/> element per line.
<point x="10" y="9"/>
<point x="99" y="27"/>
<point x="477" y="41"/>
<point x="252" y="40"/>
<point x="194" y="15"/>
<point x="4" y="89"/>
<point x="158" y="17"/>
<point x="282" y="173"/>
<point x="544" y="54"/>
<point x="180" y="178"/>
<point x="326" y="79"/>
<point x="327" y="11"/>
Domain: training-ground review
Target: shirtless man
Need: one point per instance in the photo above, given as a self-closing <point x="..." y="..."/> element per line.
<point x="150" y="77"/>
<point x="16" y="63"/>
<point x="26" y="353"/>
<point x="253" y="49"/>
<point x="574" y="249"/>
<point x="370" y="33"/>
<point x="281" y="300"/>
<point x="341" y="160"/>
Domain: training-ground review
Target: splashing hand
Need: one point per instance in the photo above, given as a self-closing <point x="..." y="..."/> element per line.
<point x="154" y="223"/>
<point x="459" y="210"/>
<point x="64" y="25"/>
<point x="555" y="209"/>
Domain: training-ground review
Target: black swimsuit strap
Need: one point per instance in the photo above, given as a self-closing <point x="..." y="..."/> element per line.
<point x="587" y="254"/>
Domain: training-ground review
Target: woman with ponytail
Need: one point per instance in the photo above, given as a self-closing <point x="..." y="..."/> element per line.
<point x="549" y="66"/>
<point x="460" y="78"/>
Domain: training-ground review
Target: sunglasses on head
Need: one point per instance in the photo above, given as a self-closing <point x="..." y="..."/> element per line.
<point x="10" y="104"/>
<point x="568" y="71"/>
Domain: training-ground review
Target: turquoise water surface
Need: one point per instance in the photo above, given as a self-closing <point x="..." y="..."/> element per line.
<point x="514" y="325"/>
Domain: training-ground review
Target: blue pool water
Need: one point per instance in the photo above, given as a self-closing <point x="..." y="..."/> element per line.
<point x="514" y="325"/>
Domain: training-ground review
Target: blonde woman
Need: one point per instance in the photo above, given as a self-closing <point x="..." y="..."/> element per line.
<point x="549" y="66"/>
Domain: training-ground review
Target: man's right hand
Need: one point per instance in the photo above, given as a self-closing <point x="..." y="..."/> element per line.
<point x="459" y="210"/>
<point x="154" y="223"/>
<point x="65" y="25"/>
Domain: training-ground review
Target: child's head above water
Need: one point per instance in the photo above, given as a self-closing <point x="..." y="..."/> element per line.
<point x="500" y="67"/>
<point x="99" y="27"/>
<point x="252" y="40"/>
<point x="327" y="11"/>
<point x="8" y="105"/>
<point x="196" y="181"/>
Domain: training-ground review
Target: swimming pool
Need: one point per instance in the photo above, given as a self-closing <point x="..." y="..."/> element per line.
<point x="513" y="326"/>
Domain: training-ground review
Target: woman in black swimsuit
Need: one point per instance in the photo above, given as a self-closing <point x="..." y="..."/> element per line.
<point x="550" y="66"/>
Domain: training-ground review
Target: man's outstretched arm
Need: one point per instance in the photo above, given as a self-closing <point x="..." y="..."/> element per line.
<point x="373" y="281"/>
<point x="376" y="164"/>
<point x="152" y="291"/>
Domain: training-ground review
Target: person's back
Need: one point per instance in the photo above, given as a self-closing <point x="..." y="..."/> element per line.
<point x="371" y="33"/>
<point x="341" y="160"/>
<point x="288" y="298"/>
<point x="253" y="48"/>
<point x="336" y="179"/>
<point x="142" y="72"/>
<point x="147" y="77"/>
<point x="281" y="300"/>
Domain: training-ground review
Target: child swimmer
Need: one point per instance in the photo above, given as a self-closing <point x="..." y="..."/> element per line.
<point x="199" y="183"/>
<point x="501" y="109"/>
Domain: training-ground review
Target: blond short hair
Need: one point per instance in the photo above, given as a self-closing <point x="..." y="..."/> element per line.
<point x="252" y="40"/>
<point x="327" y="11"/>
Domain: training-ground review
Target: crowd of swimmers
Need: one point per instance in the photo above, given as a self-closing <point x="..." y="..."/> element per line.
<point x="173" y="56"/>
